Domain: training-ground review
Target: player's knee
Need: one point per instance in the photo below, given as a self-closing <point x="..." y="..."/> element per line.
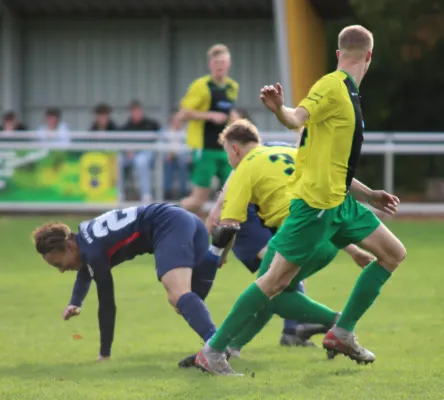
<point x="174" y="297"/>
<point x="394" y="257"/>
<point x="175" y="294"/>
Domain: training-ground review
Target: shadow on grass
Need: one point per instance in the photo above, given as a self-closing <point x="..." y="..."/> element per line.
<point x="152" y="365"/>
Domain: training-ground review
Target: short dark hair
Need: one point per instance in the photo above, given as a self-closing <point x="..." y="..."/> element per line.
<point x="53" y="112"/>
<point x="135" y="104"/>
<point x="102" y="108"/>
<point x="242" y="131"/>
<point x="51" y="236"/>
<point x="9" y="116"/>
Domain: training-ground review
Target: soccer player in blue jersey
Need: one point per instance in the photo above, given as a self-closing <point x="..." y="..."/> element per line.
<point x="178" y="240"/>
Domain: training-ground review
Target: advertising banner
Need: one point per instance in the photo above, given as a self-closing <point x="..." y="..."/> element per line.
<point x="58" y="176"/>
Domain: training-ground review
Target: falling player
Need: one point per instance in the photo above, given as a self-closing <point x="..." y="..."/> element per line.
<point x="178" y="240"/>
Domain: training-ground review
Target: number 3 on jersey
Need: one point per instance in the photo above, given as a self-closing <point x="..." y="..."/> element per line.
<point x="113" y="221"/>
<point x="286" y="158"/>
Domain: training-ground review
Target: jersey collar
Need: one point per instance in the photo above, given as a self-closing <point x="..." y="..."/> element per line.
<point x="351" y="78"/>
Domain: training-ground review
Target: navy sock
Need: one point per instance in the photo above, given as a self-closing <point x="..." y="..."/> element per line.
<point x="290" y="325"/>
<point x="195" y="312"/>
<point x="204" y="275"/>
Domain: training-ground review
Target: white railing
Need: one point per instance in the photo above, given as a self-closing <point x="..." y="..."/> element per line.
<point x="386" y="144"/>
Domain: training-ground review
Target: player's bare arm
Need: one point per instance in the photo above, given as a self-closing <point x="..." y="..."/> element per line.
<point x="186" y="114"/>
<point x="214" y="215"/>
<point x="273" y="99"/>
<point x="379" y="199"/>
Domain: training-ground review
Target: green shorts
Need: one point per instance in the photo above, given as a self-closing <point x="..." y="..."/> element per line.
<point x="307" y="231"/>
<point x="209" y="163"/>
<point x="317" y="261"/>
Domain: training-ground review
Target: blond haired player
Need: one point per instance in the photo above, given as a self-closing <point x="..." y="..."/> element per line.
<point x="322" y="209"/>
<point x="208" y="106"/>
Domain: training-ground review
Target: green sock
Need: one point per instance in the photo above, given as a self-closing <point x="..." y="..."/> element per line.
<point x="299" y="307"/>
<point x="364" y="293"/>
<point x="247" y="305"/>
<point x="252" y="329"/>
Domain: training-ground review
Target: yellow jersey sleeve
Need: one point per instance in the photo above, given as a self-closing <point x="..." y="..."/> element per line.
<point x="197" y="96"/>
<point x="322" y="101"/>
<point x="237" y="195"/>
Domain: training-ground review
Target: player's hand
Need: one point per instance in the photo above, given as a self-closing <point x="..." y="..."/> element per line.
<point x="383" y="201"/>
<point x="273" y="97"/>
<point x="71" y="311"/>
<point x="102" y="358"/>
<point x="362" y="258"/>
<point x="217" y="117"/>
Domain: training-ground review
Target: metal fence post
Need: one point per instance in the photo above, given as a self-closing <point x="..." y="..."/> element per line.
<point x="159" y="165"/>
<point x="389" y="166"/>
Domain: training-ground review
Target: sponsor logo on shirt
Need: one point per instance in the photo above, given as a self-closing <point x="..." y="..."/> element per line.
<point x="84" y="232"/>
<point x="224" y="105"/>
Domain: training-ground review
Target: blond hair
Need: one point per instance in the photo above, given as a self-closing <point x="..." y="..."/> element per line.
<point x="242" y="131"/>
<point x="355" y="39"/>
<point x="217" y="50"/>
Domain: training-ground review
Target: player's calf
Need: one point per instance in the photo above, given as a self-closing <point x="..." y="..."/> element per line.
<point x="177" y="283"/>
<point x="196" y="200"/>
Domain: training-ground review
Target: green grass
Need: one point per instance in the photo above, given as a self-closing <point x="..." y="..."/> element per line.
<point x="40" y="360"/>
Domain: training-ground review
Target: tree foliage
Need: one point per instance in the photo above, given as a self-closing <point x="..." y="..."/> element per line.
<point x="404" y="89"/>
<point x="402" y="92"/>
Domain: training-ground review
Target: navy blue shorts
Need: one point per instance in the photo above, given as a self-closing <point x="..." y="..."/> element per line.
<point x="251" y="239"/>
<point x="181" y="240"/>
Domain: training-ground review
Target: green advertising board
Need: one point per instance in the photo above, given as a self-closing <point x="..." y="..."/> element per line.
<point x="58" y="176"/>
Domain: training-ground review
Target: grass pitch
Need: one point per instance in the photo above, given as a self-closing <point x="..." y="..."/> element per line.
<point x="41" y="360"/>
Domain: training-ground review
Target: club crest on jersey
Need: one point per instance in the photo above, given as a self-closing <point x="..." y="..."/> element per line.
<point x="91" y="271"/>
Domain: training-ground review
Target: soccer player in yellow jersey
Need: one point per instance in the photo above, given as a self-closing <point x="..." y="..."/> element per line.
<point x="259" y="177"/>
<point x="322" y="209"/>
<point x="208" y="106"/>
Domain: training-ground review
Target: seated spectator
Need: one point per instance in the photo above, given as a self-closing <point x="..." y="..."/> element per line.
<point x="176" y="164"/>
<point x="11" y="123"/>
<point x="54" y="124"/>
<point x="102" y="118"/>
<point x="140" y="161"/>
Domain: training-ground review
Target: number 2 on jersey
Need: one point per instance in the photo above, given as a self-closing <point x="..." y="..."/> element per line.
<point x="286" y="158"/>
<point x="113" y="221"/>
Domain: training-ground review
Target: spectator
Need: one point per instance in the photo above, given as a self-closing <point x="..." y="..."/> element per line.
<point x="141" y="161"/>
<point x="176" y="164"/>
<point x="102" y="118"/>
<point x="11" y="123"/>
<point x="54" y="125"/>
